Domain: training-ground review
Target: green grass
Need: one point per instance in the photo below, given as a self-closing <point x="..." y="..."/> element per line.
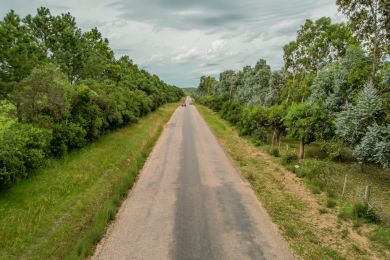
<point x="63" y="210"/>
<point x="288" y="211"/>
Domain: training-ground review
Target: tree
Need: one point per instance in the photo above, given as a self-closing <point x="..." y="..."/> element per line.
<point x="275" y="118"/>
<point x="374" y="146"/>
<point x="353" y="122"/>
<point x="370" y="21"/>
<point x="44" y="95"/>
<point x="207" y="85"/>
<point x="19" y="54"/>
<point x="317" y="44"/>
<point x="274" y="92"/>
<point x="228" y="83"/>
<point x="307" y="123"/>
<point x="61" y="39"/>
<point x="96" y="55"/>
<point x="339" y="82"/>
<point x="254" y="83"/>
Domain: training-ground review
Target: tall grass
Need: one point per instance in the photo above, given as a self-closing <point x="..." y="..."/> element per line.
<point x="64" y="209"/>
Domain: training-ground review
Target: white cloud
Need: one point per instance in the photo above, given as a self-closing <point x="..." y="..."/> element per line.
<point x="182" y="40"/>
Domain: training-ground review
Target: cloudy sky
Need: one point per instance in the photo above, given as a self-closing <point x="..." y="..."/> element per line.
<point x="180" y="40"/>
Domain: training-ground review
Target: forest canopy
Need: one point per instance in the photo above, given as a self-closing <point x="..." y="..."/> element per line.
<point x="334" y="88"/>
<point x="61" y="88"/>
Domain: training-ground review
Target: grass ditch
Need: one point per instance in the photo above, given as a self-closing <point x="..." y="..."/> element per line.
<point x="64" y="209"/>
<point x="306" y="214"/>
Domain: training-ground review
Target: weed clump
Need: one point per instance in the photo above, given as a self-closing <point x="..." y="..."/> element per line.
<point x="331" y="203"/>
<point x="274" y="152"/>
<point x="288" y="158"/>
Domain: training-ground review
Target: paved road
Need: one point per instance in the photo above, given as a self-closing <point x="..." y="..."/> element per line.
<point x="190" y="203"/>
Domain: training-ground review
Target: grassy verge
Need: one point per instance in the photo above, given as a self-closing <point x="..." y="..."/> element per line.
<point x="308" y="221"/>
<point x="63" y="211"/>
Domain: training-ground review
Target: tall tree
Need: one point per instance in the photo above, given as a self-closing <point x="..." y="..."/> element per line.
<point x="207" y="85"/>
<point x="228" y="83"/>
<point x="19" y="54"/>
<point x="370" y="21"/>
<point x="317" y="44"/>
<point x="353" y="122"/>
<point x="339" y="82"/>
<point x="307" y="123"/>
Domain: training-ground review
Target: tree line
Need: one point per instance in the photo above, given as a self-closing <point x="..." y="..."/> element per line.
<point x="334" y="88"/>
<point x="61" y="88"/>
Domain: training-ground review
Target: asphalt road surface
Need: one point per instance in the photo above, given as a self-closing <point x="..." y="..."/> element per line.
<point x="190" y="203"/>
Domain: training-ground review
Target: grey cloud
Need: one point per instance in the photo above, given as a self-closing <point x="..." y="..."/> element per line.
<point x="174" y="38"/>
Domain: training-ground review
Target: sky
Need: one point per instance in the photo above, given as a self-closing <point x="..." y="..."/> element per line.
<point x="181" y="40"/>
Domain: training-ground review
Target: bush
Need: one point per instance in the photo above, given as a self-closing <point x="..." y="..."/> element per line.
<point x="274" y="152"/>
<point x="358" y="212"/>
<point x="331" y="203"/>
<point x="288" y="158"/>
<point x="361" y="211"/>
<point x="332" y="148"/>
<point x="23" y="148"/>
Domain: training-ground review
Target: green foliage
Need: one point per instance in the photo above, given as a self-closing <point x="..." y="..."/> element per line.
<point x="331" y="253"/>
<point x="307" y="123"/>
<point x="370" y="21"/>
<point x="361" y="211"/>
<point x="339" y="82"/>
<point x="23" y="148"/>
<point x="333" y="148"/>
<point x="288" y="158"/>
<point x="374" y="146"/>
<point x="318" y="42"/>
<point x="274" y="152"/>
<point x="68" y="85"/>
<point x="352" y="123"/>
<point x="358" y="212"/>
<point x="360" y="125"/>
<point x="331" y="203"/>
<point x="381" y="235"/>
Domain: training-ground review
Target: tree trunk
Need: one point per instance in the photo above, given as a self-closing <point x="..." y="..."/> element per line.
<point x="278" y="138"/>
<point x="375" y="56"/>
<point x="302" y="149"/>
<point x="273" y="138"/>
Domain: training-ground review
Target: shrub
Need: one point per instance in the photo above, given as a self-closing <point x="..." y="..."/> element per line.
<point x="331" y="203"/>
<point x="23" y="148"/>
<point x="332" y="148"/>
<point x="358" y="212"/>
<point x="361" y="211"/>
<point x="288" y="158"/>
<point x="274" y="152"/>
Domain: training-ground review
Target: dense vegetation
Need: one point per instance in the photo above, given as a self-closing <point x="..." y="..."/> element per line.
<point x="334" y="88"/>
<point x="61" y="88"/>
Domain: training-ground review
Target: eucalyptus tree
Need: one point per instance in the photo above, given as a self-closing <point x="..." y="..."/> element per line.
<point x="255" y="83"/>
<point x="374" y="146"/>
<point x="370" y="20"/>
<point x="353" y="122"/>
<point x="339" y="82"/>
<point x="277" y="82"/>
<point x="207" y="86"/>
<point x="317" y="44"/>
<point x="228" y="83"/>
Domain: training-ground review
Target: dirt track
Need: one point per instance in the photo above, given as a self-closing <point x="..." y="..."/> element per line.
<point x="190" y="203"/>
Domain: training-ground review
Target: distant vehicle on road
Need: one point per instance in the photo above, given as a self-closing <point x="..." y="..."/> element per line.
<point x="183" y="104"/>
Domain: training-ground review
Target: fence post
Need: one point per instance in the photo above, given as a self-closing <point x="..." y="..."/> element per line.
<point x="344" y="185"/>
<point x="367" y="194"/>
